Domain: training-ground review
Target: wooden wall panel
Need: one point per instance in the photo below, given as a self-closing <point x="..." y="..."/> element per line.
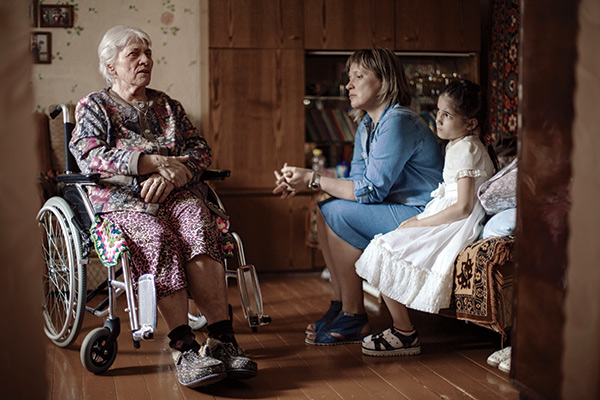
<point x="433" y="25"/>
<point x="255" y="24"/>
<point x="273" y="230"/>
<point x="348" y="24"/>
<point x="256" y="114"/>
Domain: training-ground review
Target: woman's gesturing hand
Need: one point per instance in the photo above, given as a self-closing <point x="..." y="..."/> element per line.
<point x="291" y="180"/>
<point x="297" y="178"/>
<point x="156" y="189"/>
<point x="281" y="186"/>
<point x="172" y="169"/>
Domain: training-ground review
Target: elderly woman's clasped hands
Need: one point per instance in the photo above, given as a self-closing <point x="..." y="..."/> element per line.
<point x="172" y="173"/>
<point x="291" y="180"/>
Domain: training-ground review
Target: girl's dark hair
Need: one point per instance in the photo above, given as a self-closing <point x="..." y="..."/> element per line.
<point x="387" y="67"/>
<point x="470" y="101"/>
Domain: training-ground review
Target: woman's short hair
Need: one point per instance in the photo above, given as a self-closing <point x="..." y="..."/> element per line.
<point x="387" y="67"/>
<point x="114" y="40"/>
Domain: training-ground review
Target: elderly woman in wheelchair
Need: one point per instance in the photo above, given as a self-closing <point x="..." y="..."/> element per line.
<point x="150" y="160"/>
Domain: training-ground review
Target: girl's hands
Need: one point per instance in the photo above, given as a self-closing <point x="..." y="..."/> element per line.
<point x="173" y="169"/>
<point x="156" y="188"/>
<point x="409" y="223"/>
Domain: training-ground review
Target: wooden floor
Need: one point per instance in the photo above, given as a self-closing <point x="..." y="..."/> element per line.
<point x="452" y="365"/>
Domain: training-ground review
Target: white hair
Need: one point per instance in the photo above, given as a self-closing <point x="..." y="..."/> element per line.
<point x="114" y="40"/>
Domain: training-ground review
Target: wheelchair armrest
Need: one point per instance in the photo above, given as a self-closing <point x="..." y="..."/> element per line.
<point x="215" y="175"/>
<point x="207" y="175"/>
<point x="78" y="178"/>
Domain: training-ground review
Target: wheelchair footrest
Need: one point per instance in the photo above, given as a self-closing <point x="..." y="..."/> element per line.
<point x="146" y="307"/>
<point x="250" y="296"/>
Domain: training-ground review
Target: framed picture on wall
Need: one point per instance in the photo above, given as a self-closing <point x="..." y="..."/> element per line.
<point x="41" y="47"/>
<point x="33" y="13"/>
<point x="56" y="16"/>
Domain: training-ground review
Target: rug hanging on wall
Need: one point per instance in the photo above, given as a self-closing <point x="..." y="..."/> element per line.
<point x="504" y="76"/>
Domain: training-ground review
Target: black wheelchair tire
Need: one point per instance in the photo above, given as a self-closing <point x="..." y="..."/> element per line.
<point x="95" y="356"/>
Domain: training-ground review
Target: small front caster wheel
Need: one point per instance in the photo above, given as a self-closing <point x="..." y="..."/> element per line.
<point x="95" y="355"/>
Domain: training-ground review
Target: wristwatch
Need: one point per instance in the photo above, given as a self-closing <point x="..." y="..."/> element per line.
<point x="315" y="181"/>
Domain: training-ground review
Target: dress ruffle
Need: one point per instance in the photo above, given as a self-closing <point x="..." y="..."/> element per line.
<point x="417" y="288"/>
<point x="469" y="173"/>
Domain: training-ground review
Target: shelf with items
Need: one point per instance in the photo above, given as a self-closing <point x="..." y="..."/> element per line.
<point x="329" y="127"/>
<point x="429" y="73"/>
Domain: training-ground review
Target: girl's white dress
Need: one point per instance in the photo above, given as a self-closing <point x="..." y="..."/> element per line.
<point x="414" y="266"/>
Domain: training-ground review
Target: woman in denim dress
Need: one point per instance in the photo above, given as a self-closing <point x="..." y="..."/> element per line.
<point x="396" y="164"/>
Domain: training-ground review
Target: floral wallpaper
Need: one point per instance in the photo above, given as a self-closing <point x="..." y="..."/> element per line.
<point x="173" y="26"/>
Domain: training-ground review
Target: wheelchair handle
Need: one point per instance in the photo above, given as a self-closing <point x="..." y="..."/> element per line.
<point x="71" y="166"/>
<point x="61" y="108"/>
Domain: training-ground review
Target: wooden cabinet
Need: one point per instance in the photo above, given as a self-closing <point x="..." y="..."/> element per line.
<point x="273" y="230"/>
<point x="348" y="24"/>
<point x="256" y="124"/>
<point x="256" y="114"/>
<point x="404" y="25"/>
<point x="434" y="25"/>
<point x="255" y="24"/>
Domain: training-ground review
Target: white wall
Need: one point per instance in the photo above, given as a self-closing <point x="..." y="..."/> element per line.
<point x="173" y="25"/>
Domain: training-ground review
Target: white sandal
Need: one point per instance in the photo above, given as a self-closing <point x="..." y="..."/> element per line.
<point x="504" y="366"/>
<point x="496" y="358"/>
<point x="391" y="343"/>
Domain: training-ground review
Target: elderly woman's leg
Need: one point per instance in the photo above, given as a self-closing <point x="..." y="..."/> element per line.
<point x="208" y="287"/>
<point x="174" y="308"/>
<point x="174" y="311"/>
<point x="194" y="368"/>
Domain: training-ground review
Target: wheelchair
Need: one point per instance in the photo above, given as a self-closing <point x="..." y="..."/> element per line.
<point x="65" y="220"/>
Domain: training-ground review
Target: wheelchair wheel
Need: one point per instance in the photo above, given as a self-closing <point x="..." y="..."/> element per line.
<point x="64" y="278"/>
<point x="96" y="356"/>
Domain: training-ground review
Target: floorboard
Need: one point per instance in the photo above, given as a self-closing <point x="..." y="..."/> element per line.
<point x="452" y="365"/>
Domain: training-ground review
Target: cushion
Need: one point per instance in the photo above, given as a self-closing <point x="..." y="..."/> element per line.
<point x="501" y="224"/>
<point x="499" y="193"/>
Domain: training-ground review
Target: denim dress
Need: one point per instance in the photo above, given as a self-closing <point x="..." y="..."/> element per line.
<point x="396" y="165"/>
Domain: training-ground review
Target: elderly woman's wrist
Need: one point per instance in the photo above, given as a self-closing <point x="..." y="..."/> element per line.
<point x="147" y="164"/>
<point x="133" y="163"/>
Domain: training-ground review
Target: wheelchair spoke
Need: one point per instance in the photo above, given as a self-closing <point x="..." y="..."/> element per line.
<point x="59" y="278"/>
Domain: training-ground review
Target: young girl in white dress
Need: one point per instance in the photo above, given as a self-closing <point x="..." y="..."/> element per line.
<point x="413" y="265"/>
